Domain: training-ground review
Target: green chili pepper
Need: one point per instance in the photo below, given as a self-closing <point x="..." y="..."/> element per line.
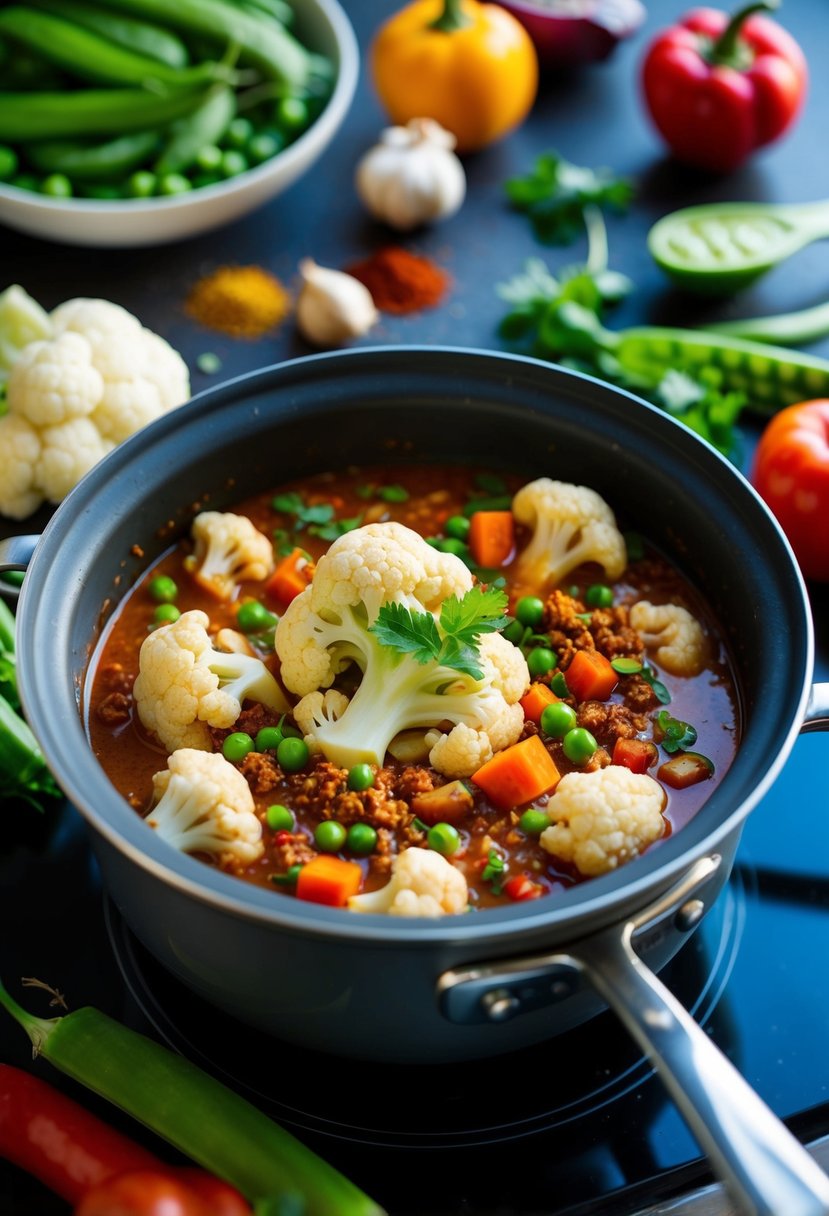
<point x="203" y="127"/>
<point x="267" y="46"/>
<point x="128" y="32"/>
<point x="25" y="116"/>
<point x="93" y="162"/>
<point x="190" y="1109"/>
<point x="91" y="57"/>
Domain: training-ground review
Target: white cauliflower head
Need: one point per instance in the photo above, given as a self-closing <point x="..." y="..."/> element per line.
<point x="55" y="380"/>
<point x="185" y="686"/>
<point x="571" y="524"/>
<point x="229" y="548"/>
<point x="422" y="883"/>
<point x="22" y="321"/>
<point x="202" y="804"/>
<point x="20" y="448"/>
<point x="335" y="622"/>
<point x="69" y="451"/>
<point x="674" y="634"/>
<point x="604" y="818"/>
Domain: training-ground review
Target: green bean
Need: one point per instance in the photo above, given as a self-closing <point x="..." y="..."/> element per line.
<point x="25" y="116"/>
<point x="770" y="376"/>
<point x="267" y="45"/>
<point x="203" y="127"/>
<point x="785" y="329"/>
<point x="94" y="162"/>
<point x="276" y="10"/>
<point x="86" y="54"/>
<point x="128" y="32"/>
<point x="210" y="1123"/>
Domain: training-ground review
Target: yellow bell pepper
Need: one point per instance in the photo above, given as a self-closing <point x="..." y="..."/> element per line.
<point x="469" y="66"/>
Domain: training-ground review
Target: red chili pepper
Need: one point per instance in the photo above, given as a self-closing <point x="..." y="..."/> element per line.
<point x="719" y="87"/>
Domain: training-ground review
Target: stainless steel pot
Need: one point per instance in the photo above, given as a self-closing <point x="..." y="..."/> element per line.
<point x="377" y="987"/>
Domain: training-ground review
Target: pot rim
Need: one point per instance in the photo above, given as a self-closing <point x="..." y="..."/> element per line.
<point x="113" y="819"/>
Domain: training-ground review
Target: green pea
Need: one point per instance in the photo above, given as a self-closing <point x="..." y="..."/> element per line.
<point x="237" y="746"/>
<point x="361" y="839"/>
<point x="557" y="719"/>
<point x="530" y="611"/>
<point x="288" y="879"/>
<point x="291" y="114"/>
<point x="451" y="544"/>
<point x="329" y="836"/>
<point x="579" y="745"/>
<point x="292" y="754"/>
<point x="57" y="185"/>
<point x="541" y="660"/>
<point x="264" y="146"/>
<point x="165" y="614"/>
<point x="360" y="777"/>
<point x="514" y="632"/>
<point x="533" y="823"/>
<point x="558" y="684"/>
<point x="393" y="493"/>
<point x="599" y="596"/>
<point x="253" y="617"/>
<point x="163" y="589"/>
<point x="142" y="184"/>
<point x="233" y="163"/>
<point x="238" y="133"/>
<point x="209" y="158"/>
<point x="279" y="818"/>
<point x="268" y="739"/>
<point x="444" y="838"/>
<point x="8" y="163"/>
<point x="457" y="526"/>
<point x="173" y="184"/>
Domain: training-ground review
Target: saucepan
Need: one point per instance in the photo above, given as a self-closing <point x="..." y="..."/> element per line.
<point x="386" y="988"/>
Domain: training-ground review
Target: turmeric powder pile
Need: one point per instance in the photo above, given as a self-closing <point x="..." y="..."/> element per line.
<point x="242" y="301"/>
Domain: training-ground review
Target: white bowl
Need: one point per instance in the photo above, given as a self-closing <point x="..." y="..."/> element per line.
<point x="325" y="28"/>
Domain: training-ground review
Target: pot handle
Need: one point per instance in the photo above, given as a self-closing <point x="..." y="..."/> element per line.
<point x="15" y="555"/>
<point x="767" y="1170"/>
<point x="817" y="711"/>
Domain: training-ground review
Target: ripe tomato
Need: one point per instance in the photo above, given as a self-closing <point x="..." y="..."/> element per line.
<point x="791" y="472"/>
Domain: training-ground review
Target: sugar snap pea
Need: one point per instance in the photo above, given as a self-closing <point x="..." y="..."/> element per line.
<point x="128" y="32"/>
<point x="267" y="45"/>
<point x="98" y="162"/>
<point x="88" y="55"/>
<point x="32" y="116"/>
<point x="203" y="127"/>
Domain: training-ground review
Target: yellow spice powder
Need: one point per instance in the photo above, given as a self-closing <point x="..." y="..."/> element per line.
<point x="242" y="301"/>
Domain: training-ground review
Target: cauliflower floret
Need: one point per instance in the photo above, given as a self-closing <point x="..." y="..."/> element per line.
<point x="204" y="805"/>
<point x="184" y="685"/>
<point x="674" y="634"/>
<point x="604" y="818"/>
<point x="571" y="524"/>
<point x="317" y="708"/>
<point x="92" y="363"/>
<point x="20" y="449"/>
<point x="22" y="321"/>
<point x="332" y="623"/>
<point x="423" y="883"/>
<point x="228" y="549"/>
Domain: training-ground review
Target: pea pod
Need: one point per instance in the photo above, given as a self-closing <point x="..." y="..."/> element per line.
<point x="128" y="32"/>
<point x="32" y="116"/>
<point x="86" y="54"/>
<point x="208" y="1122"/>
<point x="204" y="126"/>
<point x="94" y="162"/>
<point x="267" y="45"/>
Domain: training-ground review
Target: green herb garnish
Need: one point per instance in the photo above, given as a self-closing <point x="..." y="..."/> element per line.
<point x="452" y="640"/>
<point x="555" y="193"/>
<point x="677" y="735"/>
<point x="659" y="690"/>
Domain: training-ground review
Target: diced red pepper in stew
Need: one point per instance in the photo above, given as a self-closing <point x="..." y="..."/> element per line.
<point x="636" y="754"/>
<point x="590" y="676"/>
<point x="521" y="887"/>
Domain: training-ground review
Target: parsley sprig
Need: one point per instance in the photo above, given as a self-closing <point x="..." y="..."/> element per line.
<point x="318" y="518"/>
<point x="555" y="194"/>
<point x="452" y="639"/>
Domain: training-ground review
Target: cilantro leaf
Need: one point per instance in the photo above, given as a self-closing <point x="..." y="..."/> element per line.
<point x="555" y="192"/>
<point x="476" y="612"/>
<point x="414" y="633"/>
<point x="454" y="643"/>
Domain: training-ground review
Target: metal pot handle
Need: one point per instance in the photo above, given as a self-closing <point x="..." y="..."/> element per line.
<point x="766" y="1169"/>
<point x="15" y="555"/>
<point x="817" y="710"/>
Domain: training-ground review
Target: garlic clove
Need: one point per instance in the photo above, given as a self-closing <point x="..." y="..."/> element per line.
<point x="332" y="306"/>
<point x="412" y="175"/>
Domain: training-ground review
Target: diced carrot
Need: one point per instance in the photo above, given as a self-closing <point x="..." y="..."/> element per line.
<point x="536" y="701"/>
<point x="290" y="577"/>
<point x="328" y="880"/>
<point x="590" y="676"/>
<point x="519" y="774"/>
<point x="521" y="887"/>
<point x="491" y="538"/>
<point x="636" y="754"/>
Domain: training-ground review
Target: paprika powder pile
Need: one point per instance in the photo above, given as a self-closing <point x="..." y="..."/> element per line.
<point x="242" y="301"/>
<point x="401" y="282"/>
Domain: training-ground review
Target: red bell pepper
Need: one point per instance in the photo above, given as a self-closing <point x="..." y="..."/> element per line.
<point x="719" y="87"/>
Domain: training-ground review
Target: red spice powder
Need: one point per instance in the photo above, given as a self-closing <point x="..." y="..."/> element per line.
<point x="400" y="281"/>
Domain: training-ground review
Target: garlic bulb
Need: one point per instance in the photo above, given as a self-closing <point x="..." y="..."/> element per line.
<point x="332" y="306"/>
<point x="412" y="176"/>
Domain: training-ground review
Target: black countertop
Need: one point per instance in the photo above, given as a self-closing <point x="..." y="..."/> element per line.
<point x="51" y="905"/>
